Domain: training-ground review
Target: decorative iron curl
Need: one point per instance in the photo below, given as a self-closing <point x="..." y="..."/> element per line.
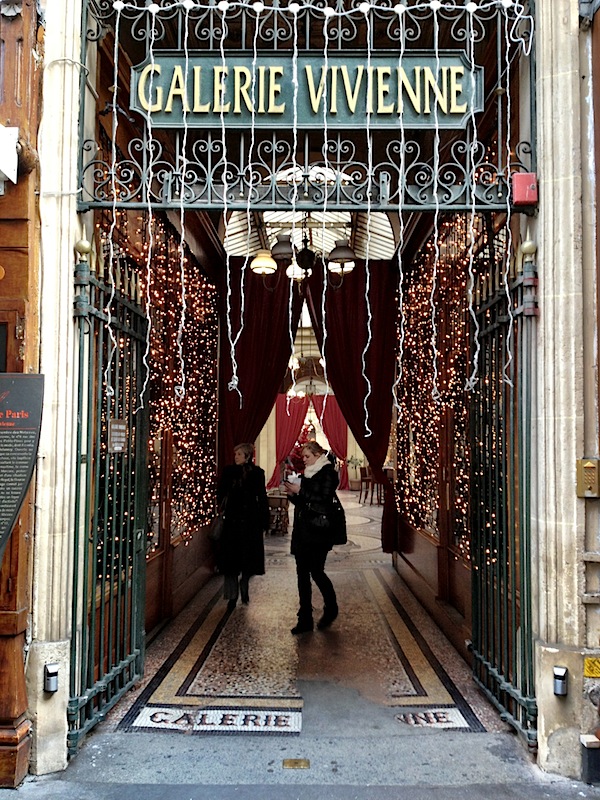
<point x="274" y="26"/>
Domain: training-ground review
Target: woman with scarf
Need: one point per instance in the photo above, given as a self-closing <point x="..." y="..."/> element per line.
<point x="313" y="498"/>
<point x="241" y="550"/>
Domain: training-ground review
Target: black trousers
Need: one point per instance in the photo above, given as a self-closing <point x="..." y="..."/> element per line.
<point x="311" y="564"/>
<point x="233" y="585"/>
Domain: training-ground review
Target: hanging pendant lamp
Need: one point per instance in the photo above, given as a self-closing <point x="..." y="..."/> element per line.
<point x="263" y="263"/>
<point x="342" y="258"/>
<point x="282" y="250"/>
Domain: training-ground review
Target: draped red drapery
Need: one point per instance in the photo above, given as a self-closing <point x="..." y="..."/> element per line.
<point x="289" y="417"/>
<point x="262" y="352"/>
<point x="365" y="404"/>
<point x="335" y="429"/>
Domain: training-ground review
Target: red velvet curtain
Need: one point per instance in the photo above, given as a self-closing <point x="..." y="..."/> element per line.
<point x="346" y="322"/>
<point x="289" y="417"/>
<point x="335" y="429"/>
<point x="262" y="352"/>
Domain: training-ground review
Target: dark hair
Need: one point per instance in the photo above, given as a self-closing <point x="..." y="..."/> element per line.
<point x="247" y="449"/>
<point x="314" y="447"/>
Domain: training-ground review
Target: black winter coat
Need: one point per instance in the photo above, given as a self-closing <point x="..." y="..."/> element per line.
<point x="241" y="547"/>
<point x="315" y="496"/>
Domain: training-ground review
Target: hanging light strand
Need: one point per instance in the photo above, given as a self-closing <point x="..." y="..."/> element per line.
<point x="525" y="42"/>
<point x="294" y="9"/>
<point x="180" y="387"/>
<point x="258" y="7"/>
<point x="472" y="379"/>
<point x="366" y="10"/>
<point x="509" y="241"/>
<point x="233" y="385"/>
<point x="152" y="10"/>
<point x="111" y="234"/>
<point x="328" y="14"/>
<point x="402" y="189"/>
<point x="435" y="392"/>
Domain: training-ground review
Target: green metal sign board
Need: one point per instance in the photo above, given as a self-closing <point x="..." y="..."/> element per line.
<point x="421" y="90"/>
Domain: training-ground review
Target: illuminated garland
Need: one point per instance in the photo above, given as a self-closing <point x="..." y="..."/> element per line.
<point x="192" y="418"/>
<point x="422" y="410"/>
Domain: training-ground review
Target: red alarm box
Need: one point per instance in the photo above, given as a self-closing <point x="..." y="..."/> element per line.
<point x="524" y="189"/>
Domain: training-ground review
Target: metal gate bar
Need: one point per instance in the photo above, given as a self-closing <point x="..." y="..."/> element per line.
<point x="501" y="458"/>
<point x="107" y="603"/>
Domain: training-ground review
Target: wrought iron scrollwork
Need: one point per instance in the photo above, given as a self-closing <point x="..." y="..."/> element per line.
<point x="265" y="169"/>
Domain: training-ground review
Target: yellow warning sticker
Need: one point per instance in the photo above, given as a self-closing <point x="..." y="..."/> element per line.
<point x="591" y="667"/>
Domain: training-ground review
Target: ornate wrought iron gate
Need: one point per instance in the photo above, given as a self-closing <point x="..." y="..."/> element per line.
<point x="501" y="470"/>
<point x="110" y="535"/>
<point x="392" y="170"/>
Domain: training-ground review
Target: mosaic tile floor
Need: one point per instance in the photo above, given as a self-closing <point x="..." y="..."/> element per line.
<point x="219" y="671"/>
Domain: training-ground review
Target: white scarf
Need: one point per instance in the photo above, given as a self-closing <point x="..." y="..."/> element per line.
<point x="312" y="469"/>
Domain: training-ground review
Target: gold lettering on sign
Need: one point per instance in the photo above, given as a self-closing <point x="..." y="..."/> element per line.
<point x="261" y="90"/>
<point x="431" y="83"/>
<point x="414" y="93"/>
<point x="315" y="95"/>
<point x="455" y="90"/>
<point x="177" y="88"/>
<point x="241" y="89"/>
<point x="274" y="90"/>
<point x="333" y="104"/>
<point x="219" y="107"/>
<point x="383" y="90"/>
<point x="199" y="106"/>
<point x="352" y="94"/>
<point x="145" y="102"/>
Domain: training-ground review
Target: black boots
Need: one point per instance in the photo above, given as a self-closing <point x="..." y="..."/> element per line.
<point x="329" y="614"/>
<point x="244" y="589"/>
<point x="304" y="625"/>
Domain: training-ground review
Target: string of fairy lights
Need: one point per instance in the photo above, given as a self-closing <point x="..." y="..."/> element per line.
<point x="436" y="312"/>
<point x="190" y="418"/>
<point x="429" y="413"/>
<point x="186" y="422"/>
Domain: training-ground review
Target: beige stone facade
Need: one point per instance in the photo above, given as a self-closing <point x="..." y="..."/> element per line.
<point x="565" y="529"/>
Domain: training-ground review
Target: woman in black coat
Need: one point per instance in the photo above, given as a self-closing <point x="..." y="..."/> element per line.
<point x="313" y="497"/>
<point x="241" y="549"/>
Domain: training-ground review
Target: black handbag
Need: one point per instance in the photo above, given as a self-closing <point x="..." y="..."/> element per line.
<point x="333" y="523"/>
<point x="215" y="530"/>
<point x="339" y="534"/>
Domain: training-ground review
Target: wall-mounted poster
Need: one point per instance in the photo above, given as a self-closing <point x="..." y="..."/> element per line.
<point x="20" y="421"/>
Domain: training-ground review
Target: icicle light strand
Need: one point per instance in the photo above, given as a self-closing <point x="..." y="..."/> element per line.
<point x="293" y="8"/>
<point x="472" y="380"/>
<point x="328" y="13"/>
<point x="402" y="178"/>
<point x="234" y="381"/>
<point x="180" y="387"/>
<point x="366" y="10"/>
<point x="435" y="392"/>
<point x="509" y="241"/>
<point x="111" y="242"/>
<point x="152" y="11"/>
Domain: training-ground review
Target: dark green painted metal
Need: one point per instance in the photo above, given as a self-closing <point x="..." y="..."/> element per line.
<point x="226" y="168"/>
<point x="107" y="653"/>
<point x="501" y="542"/>
<point x="350" y="94"/>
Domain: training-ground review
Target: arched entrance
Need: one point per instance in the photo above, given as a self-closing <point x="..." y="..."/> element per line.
<point x="401" y="110"/>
